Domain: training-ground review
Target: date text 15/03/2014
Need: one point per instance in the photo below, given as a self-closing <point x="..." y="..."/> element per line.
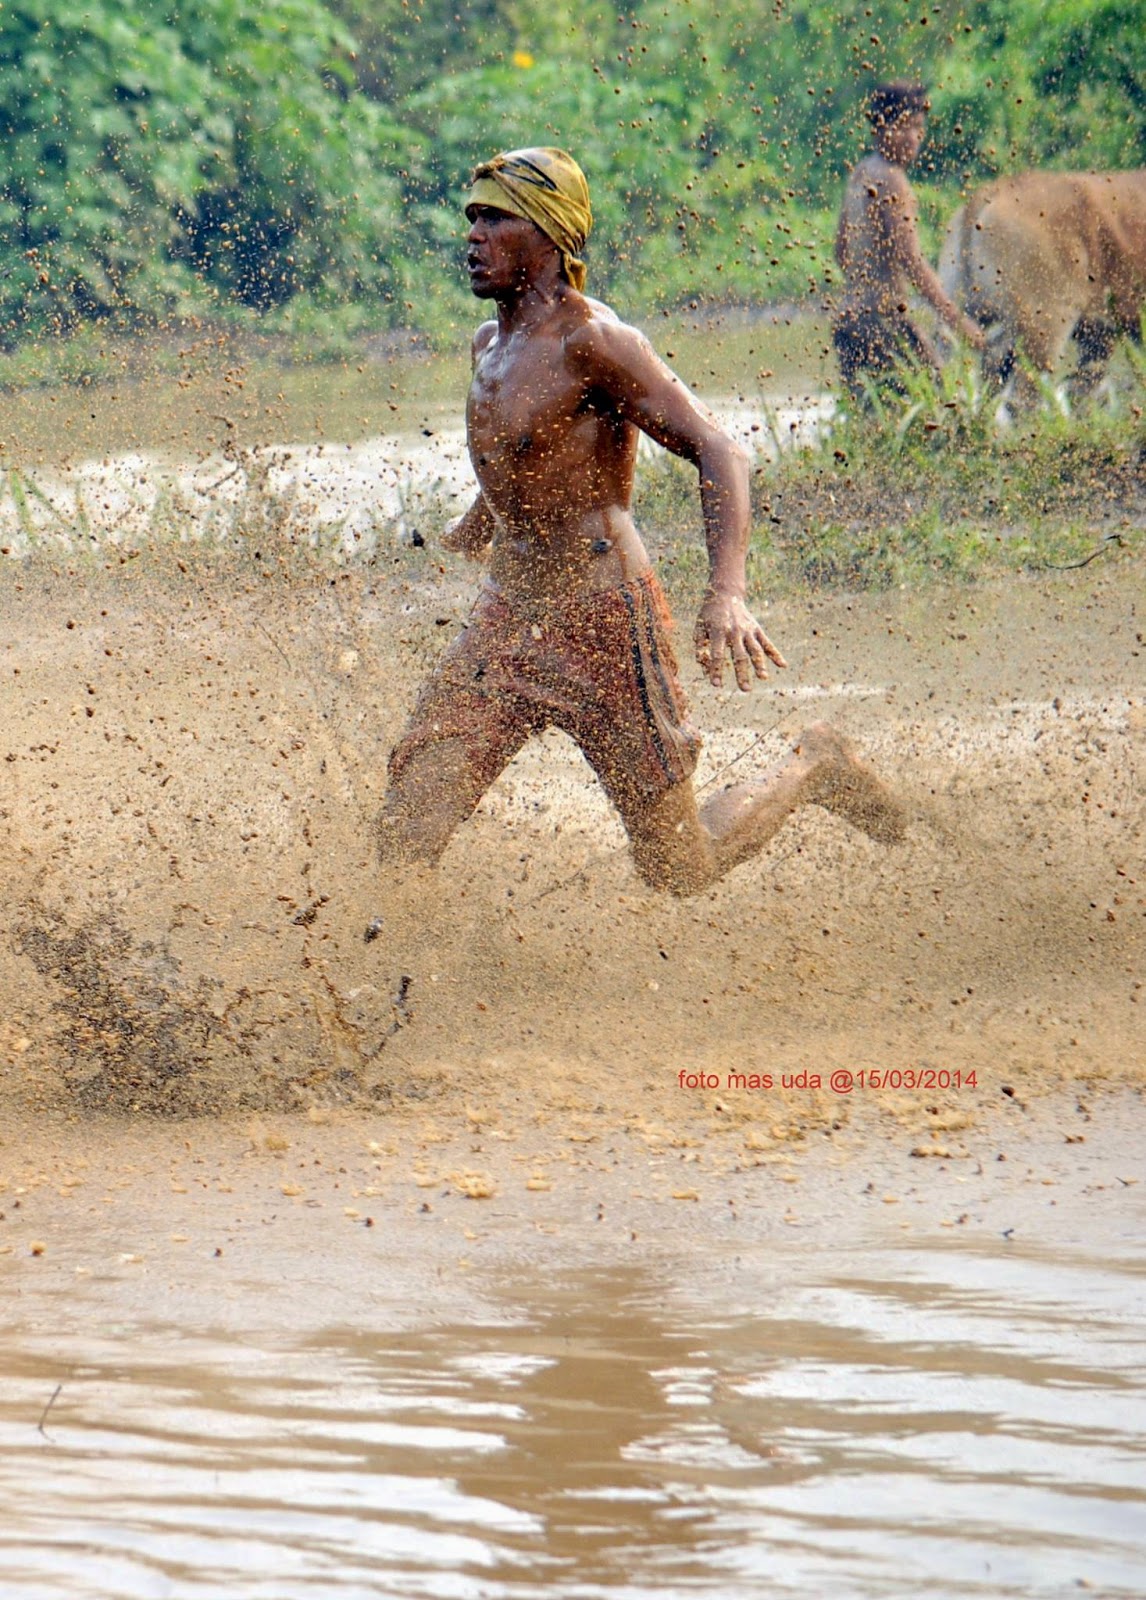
<point x="841" y="1080"/>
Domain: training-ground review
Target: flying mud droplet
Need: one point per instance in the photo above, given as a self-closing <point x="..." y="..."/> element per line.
<point x="304" y="918"/>
<point x="135" y="1035"/>
<point x="403" y="1010"/>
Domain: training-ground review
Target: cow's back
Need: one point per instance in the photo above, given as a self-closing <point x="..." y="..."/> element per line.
<point x="1042" y="251"/>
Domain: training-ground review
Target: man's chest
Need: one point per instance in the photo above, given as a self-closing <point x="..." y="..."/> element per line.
<point x="521" y="398"/>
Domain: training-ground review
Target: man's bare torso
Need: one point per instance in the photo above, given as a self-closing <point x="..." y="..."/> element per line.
<point x="554" y="458"/>
<point x="877" y="193"/>
<point x="561" y="390"/>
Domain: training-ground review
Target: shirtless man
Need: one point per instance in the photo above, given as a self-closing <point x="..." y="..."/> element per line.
<point x="570" y="628"/>
<point x="877" y="248"/>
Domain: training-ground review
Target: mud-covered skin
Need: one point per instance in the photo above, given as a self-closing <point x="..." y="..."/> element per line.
<point x="1042" y="259"/>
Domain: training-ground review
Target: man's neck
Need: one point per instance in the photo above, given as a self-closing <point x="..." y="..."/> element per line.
<point x="520" y="310"/>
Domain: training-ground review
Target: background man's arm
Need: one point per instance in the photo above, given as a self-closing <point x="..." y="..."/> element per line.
<point x="899" y="215"/>
<point x="621" y="362"/>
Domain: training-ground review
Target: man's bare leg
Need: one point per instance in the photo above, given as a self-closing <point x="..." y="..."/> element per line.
<point x="437" y="791"/>
<point x="683" y="849"/>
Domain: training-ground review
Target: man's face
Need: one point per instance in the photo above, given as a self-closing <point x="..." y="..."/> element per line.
<point x="504" y="253"/>
<point x="902" y="140"/>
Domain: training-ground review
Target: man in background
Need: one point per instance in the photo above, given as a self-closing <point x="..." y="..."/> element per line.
<point x="877" y="247"/>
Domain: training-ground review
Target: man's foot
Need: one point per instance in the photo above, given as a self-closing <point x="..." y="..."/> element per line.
<point x="841" y="783"/>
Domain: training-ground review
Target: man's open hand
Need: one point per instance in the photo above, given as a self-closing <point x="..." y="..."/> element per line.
<point x="726" y="627"/>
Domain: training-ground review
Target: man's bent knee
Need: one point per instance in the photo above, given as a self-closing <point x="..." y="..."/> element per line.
<point x="671" y="851"/>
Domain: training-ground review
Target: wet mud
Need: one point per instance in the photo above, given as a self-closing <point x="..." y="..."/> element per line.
<point x="194" y="920"/>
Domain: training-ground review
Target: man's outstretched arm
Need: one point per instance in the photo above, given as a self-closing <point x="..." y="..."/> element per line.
<point x="621" y="362"/>
<point x="899" y="214"/>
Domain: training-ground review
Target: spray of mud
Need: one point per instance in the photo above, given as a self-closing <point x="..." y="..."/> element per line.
<point x="194" y="920"/>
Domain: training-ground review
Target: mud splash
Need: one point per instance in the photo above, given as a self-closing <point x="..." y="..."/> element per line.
<point x="192" y="760"/>
<point x="132" y="1036"/>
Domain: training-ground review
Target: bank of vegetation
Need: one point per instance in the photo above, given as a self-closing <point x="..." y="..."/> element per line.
<point x="299" y="166"/>
<point x="938" y="483"/>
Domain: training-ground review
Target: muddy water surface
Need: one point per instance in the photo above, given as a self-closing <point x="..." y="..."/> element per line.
<point x="893" y="1420"/>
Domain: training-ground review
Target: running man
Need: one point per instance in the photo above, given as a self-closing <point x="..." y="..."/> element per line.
<point x="877" y="247"/>
<point x="570" y="628"/>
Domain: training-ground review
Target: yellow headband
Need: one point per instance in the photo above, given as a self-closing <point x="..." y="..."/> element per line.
<point x="548" y="188"/>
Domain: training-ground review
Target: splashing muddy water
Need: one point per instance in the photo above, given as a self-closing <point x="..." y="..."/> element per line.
<point x="192" y="758"/>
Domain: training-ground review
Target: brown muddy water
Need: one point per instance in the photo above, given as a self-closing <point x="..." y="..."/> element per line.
<point x="898" y="1419"/>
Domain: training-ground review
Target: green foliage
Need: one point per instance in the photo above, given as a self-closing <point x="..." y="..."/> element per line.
<point x="1026" y="85"/>
<point x="947" y="413"/>
<point x="222" y="155"/>
<point x="678" y="217"/>
<point x="155" y="161"/>
<point x="928" y="483"/>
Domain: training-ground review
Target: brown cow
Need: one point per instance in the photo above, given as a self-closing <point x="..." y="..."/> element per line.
<point x="1044" y="257"/>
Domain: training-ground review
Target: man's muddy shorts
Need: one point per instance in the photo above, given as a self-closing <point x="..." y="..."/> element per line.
<point x="600" y="667"/>
<point x="872" y="345"/>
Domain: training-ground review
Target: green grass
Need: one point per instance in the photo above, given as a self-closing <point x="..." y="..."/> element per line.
<point x="929" y="484"/>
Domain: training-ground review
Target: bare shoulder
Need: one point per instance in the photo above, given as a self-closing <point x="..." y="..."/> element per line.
<point x="879" y="179"/>
<point x="482" y="337"/>
<point x="894" y="187"/>
<point x="866" y="170"/>
<point x="601" y="342"/>
<point x="618" y="360"/>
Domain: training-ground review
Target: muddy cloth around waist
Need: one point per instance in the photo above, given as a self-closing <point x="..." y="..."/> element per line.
<point x="876" y="344"/>
<point x="599" y="666"/>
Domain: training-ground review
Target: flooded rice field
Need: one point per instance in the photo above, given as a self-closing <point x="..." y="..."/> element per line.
<point x="557" y="1238"/>
<point x="347" y="455"/>
<point x="350" y="498"/>
<point x="904" y="1418"/>
<point x="355" y="497"/>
